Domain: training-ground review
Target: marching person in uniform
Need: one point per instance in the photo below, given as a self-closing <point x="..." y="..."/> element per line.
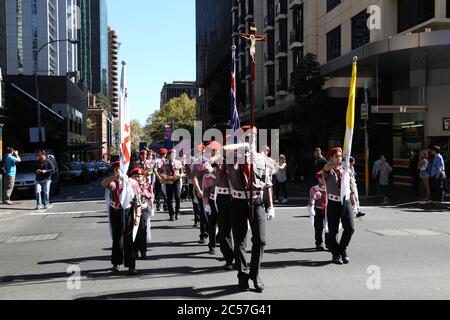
<point x="317" y="206"/>
<point x="144" y="233"/>
<point x="124" y="205"/>
<point x="223" y="205"/>
<point x="170" y="175"/>
<point x="209" y="202"/>
<point x="159" y="188"/>
<point x="201" y="167"/>
<point x="249" y="208"/>
<point x="338" y="210"/>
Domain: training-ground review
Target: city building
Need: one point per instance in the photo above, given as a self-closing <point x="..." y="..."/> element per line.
<point x="176" y="89"/>
<point x="213" y="29"/>
<point x="403" y="61"/>
<point x="63" y="115"/>
<point x="93" y="50"/>
<point x="99" y="132"/>
<point x="3" y="60"/>
<point x="30" y="25"/>
<point x="113" y="71"/>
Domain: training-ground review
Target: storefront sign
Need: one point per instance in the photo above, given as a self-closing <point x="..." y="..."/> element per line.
<point x="399" y="109"/>
<point x="447" y="124"/>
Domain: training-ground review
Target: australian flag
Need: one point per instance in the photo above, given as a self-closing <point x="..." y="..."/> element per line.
<point x="235" y="122"/>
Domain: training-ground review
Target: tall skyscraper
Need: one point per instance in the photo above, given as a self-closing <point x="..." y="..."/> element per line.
<point x="31" y="24"/>
<point x="2" y="37"/>
<point x="113" y="66"/>
<point x="93" y="53"/>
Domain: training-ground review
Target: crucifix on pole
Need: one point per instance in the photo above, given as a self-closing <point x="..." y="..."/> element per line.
<point x="253" y="38"/>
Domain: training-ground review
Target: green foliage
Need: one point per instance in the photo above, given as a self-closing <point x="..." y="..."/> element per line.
<point x="103" y="102"/>
<point x="181" y="112"/>
<point x="311" y="115"/>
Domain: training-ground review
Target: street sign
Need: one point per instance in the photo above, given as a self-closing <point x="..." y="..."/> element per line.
<point x="399" y="109"/>
<point x="447" y="124"/>
<point x="364" y="111"/>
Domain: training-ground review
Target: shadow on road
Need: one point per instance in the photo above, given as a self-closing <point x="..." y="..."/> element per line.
<point x="183" y="292"/>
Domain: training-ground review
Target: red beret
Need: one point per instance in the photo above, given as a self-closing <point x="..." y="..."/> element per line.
<point x="319" y="175"/>
<point x="163" y="151"/>
<point x="214" y="145"/>
<point x="334" y="151"/>
<point x="138" y="171"/>
<point x="246" y="128"/>
<point x="115" y="165"/>
<point x="201" y="148"/>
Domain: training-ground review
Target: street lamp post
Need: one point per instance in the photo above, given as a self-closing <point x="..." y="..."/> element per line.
<point x="38" y="102"/>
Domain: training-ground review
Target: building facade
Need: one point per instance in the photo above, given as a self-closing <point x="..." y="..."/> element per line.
<point x="176" y="89"/>
<point x="113" y="71"/>
<point x="213" y="29"/>
<point x="93" y="50"/>
<point x="99" y="132"/>
<point x="30" y="24"/>
<point x="3" y="60"/>
<point x="403" y="50"/>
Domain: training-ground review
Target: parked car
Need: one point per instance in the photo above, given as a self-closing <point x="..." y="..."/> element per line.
<point x="73" y="172"/>
<point x="26" y="174"/>
<point x="92" y="171"/>
<point x="103" y="169"/>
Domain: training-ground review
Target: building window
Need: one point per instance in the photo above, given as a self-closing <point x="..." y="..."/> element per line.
<point x="360" y="31"/>
<point x="334" y="44"/>
<point x="19" y="21"/>
<point x="331" y="4"/>
<point x="298" y="57"/>
<point x="414" y="12"/>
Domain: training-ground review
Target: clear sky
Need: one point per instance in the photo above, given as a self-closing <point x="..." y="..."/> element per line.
<point x="158" y="43"/>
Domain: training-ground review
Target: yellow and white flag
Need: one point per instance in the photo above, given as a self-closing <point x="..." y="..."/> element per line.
<point x="345" y="187"/>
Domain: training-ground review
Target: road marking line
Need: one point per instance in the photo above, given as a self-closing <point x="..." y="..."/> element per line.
<point x="65" y="213"/>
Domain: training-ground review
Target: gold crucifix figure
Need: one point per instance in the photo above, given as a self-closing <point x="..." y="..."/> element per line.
<point x="253" y="39"/>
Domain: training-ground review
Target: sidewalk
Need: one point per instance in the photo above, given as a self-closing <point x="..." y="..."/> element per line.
<point x="399" y="194"/>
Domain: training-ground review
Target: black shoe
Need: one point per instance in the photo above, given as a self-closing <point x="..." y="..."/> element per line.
<point x="337" y="260"/>
<point x="360" y="215"/>
<point x="259" y="285"/>
<point x="243" y="283"/>
<point x="228" y="267"/>
<point x="115" y="269"/>
<point x="132" y="272"/>
<point x="345" y="258"/>
<point x="319" y="248"/>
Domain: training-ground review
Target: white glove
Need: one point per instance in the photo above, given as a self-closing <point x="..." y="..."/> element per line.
<point x="270" y="213"/>
<point x="207" y="209"/>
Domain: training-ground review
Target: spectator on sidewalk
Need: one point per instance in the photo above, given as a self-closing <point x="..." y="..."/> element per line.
<point x="315" y="164"/>
<point x="281" y="180"/>
<point x="384" y="179"/>
<point x="424" y="176"/>
<point x="436" y="169"/>
<point x="43" y="181"/>
<point x="376" y="176"/>
<point x="12" y="158"/>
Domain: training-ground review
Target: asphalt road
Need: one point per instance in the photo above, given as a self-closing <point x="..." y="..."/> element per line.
<point x="397" y="253"/>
